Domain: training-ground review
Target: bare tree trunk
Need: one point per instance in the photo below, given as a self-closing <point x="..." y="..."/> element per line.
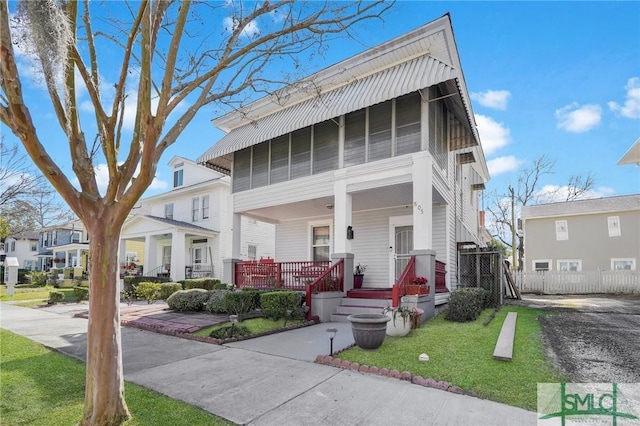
<point x="104" y="402"/>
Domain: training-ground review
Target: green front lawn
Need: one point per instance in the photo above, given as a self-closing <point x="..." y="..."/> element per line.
<point x="35" y="293"/>
<point x="42" y="387"/>
<point x="254" y="325"/>
<point x="462" y="354"/>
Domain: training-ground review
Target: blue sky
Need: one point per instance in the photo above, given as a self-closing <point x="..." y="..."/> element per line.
<point x="555" y="78"/>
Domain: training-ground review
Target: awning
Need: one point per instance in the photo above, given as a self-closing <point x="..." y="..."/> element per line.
<point x="632" y="156"/>
<point x="404" y="78"/>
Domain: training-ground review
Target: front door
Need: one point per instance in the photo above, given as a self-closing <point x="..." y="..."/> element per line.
<point x="403" y="241"/>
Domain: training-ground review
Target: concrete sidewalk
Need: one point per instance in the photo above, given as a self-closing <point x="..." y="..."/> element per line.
<point x="267" y="380"/>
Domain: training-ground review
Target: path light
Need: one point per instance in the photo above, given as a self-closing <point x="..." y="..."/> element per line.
<point x="332" y="333"/>
<point x="234" y="320"/>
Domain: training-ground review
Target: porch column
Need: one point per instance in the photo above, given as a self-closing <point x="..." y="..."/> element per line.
<point x="422" y="201"/>
<point x="342" y="217"/>
<point x="236" y="236"/>
<point x="229" y="270"/>
<point x="150" y="254"/>
<point x="122" y="252"/>
<point x="178" y="255"/>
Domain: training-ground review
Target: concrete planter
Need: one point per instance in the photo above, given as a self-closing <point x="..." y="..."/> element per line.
<point x="369" y="330"/>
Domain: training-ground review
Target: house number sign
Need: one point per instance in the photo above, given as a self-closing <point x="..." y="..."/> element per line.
<point x="418" y="207"/>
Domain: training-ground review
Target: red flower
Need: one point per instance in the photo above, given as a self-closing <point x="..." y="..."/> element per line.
<point x="419" y="280"/>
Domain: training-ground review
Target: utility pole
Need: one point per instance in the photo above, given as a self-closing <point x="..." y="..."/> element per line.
<point x="513" y="227"/>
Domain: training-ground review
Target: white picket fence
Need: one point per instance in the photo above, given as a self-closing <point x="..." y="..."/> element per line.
<point x="583" y="282"/>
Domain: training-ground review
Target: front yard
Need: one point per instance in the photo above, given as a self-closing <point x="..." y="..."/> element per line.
<point x="462" y="354"/>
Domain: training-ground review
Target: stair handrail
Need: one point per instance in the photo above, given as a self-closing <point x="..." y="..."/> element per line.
<point x="325" y="283"/>
<point x="407" y="275"/>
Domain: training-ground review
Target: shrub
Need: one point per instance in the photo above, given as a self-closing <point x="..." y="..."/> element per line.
<point x="205" y="283"/>
<point x="229" y="331"/>
<point x="239" y="302"/>
<point x="466" y="304"/>
<point x="188" y="300"/>
<point x="148" y="291"/>
<point x="81" y="293"/>
<point x="130" y="282"/>
<point x="215" y="305"/>
<point x="38" y="278"/>
<point x="55" y="297"/>
<point x="276" y="304"/>
<point x="23" y="276"/>
<point x="167" y="289"/>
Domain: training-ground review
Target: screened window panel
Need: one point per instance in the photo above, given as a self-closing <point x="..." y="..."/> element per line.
<point x="260" y="174"/>
<point x="380" y="131"/>
<point x="408" y="124"/>
<point x="301" y="153"/>
<point x="325" y="146"/>
<point x="280" y="159"/>
<point x="354" y="138"/>
<point x="241" y="170"/>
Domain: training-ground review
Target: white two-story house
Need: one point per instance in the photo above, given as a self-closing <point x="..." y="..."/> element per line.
<point x="24" y="247"/>
<point x="185" y="232"/>
<point x="373" y="160"/>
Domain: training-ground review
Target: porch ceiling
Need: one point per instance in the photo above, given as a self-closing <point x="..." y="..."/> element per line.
<point x="371" y="199"/>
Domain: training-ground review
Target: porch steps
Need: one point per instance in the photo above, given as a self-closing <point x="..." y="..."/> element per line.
<point x="370" y="293"/>
<point x="350" y="305"/>
<point x="504" y="345"/>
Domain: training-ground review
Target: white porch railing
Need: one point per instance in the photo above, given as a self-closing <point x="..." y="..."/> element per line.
<point x="583" y="282"/>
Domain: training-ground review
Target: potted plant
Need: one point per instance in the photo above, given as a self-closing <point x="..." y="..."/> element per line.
<point x="368" y="329"/>
<point x="402" y="320"/>
<point x="358" y="275"/>
<point x="418" y="286"/>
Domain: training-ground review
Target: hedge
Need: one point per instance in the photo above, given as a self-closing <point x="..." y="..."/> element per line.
<point x="192" y="300"/>
<point x="466" y="304"/>
<point x="215" y="304"/>
<point x="205" y="283"/>
<point x="276" y="304"/>
<point x="81" y="293"/>
<point x="167" y="289"/>
<point x="239" y="302"/>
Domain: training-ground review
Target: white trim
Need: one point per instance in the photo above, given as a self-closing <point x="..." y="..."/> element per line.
<point x="562" y="230"/>
<point x="623" y="259"/>
<point x="613" y="224"/>
<point x="578" y="261"/>
<point x="316" y="224"/>
<point x="548" y="261"/>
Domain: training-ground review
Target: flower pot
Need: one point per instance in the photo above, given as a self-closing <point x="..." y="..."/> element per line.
<point x="416" y="289"/>
<point x="399" y="326"/>
<point x="357" y="280"/>
<point x="368" y="329"/>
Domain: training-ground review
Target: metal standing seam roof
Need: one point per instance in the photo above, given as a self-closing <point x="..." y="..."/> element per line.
<point x="401" y="79"/>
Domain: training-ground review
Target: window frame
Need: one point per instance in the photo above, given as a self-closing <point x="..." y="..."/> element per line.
<point x="311" y="245"/>
<point x="178" y="178"/>
<point x="613" y="226"/>
<point x="562" y="233"/>
<point x="255" y="251"/>
<point x="168" y="211"/>
<point x="195" y="209"/>
<point x="205" y="207"/>
<point x="560" y="261"/>
<point x="623" y="259"/>
<point x="549" y="263"/>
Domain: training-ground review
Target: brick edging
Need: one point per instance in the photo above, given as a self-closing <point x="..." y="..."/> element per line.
<point x="395" y="374"/>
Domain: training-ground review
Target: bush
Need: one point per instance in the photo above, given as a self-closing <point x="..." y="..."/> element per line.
<point x="229" y="331"/>
<point x="130" y="282"/>
<point x="239" y="302"/>
<point x="81" y="293"/>
<point x="275" y="304"/>
<point x="38" y="278"/>
<point x="215" y="305"/>
<point x="167" y="289"/>
<point x="55" y="297"/>
<point x="23" y="276"/>
<point x="466" y="304"/>
<point x="148" y="291"/>
<point x="205" y="283"/>
<point x="188" y="300"/>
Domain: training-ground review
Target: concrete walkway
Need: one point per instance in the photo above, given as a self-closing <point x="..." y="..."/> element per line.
<point x="268" y="380"/>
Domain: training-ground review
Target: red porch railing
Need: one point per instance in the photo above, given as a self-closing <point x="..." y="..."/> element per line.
<point x="268" y="274"/>
<point x="330" y="280"/>
<point x="405" y="278"/>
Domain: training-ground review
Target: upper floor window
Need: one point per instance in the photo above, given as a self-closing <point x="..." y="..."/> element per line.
<point x="628" y="264"/>
<point x="570" y="265"/>
<point x="13" y="246"/>
<point x="168" y="211"/>
<point x="205" y="207"/>
<point x="178" y="176"/>
<point x="438" y="128"/>
<point x="34" y="246"/>
<point x="613" y="223"/>
<point x="195" y="209"/>
<point x="562" y="230"/>
<point x="76" y="236"/>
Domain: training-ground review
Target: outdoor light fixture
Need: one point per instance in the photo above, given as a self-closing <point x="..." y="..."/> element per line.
<point x="332" y="333"/>
<point x="234" y="320"/>
<point x="349" y="232"/>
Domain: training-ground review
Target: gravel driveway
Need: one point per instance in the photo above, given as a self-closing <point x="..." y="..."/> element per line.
<point x="592" y="338"/>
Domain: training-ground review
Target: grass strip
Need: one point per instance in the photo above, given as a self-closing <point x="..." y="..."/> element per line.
<point x="43" y="387"/>
<point x="254" y="325"/>
<point x="462" y="354"/>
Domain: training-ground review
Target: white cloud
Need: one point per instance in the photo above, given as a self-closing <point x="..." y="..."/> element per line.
<point x="496" y="99"/>
<point x="577" y="119"/>
<point x="102" y="179"/>
<point x="555" y="193"/>
<point x="503" y="164"/>
<point x="631" y="107"/>
<point x="494" y="135"/>
<point x="251" y="29"/>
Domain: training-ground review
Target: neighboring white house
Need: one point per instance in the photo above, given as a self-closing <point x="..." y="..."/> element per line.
<point x="24" y="247"/>
<point x="64" y="246"/>
<point x="185" y="232"/>
<point x="373" y="159"/>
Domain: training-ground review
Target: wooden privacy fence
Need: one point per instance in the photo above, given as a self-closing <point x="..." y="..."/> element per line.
<point x="582" y="282"/>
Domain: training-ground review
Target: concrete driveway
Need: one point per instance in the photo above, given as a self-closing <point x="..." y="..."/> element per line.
<point x="592" y="338"/>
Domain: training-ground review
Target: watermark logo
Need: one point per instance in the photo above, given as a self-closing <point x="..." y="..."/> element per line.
<point x="589" y="403"/>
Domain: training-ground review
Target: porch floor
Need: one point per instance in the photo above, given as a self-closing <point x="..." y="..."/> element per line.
<point x="370" y="293"/>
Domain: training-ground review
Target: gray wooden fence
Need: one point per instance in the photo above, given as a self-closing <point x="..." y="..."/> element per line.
<point x="583" y="282"/>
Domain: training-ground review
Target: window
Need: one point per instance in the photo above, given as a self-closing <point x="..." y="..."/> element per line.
<point x="166" y="257"/>
<point x="34" y="246"/>
<point x="195" y="209"/>
<point x="242" y="170"/>
<point x="354" y="138"/>
<point x="252" y="252"/>
<point x="197" y="255"/>
<point x="205" y="207"/>
<point x="562" y="230"/>
<point x="628" y="264"/>
<point x="613" y="222"/>
<point x="178" y="178"/>
<point x="301" y="153"/>
<point x="438" y="130"/>
<point x="380" y="131"/>
<point x="280" y="159"/>
<point x="13" y="246"/>
<point x="325" y="146"/>
<point x="260" y="165"/>
<point x="541" y="265"/>
<point x="320" y="242"/>
<point x="570" y="265"/>
<point x="408" y="124"/>
<point x="168" y="211"/>
<point x="75" y="238"/>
